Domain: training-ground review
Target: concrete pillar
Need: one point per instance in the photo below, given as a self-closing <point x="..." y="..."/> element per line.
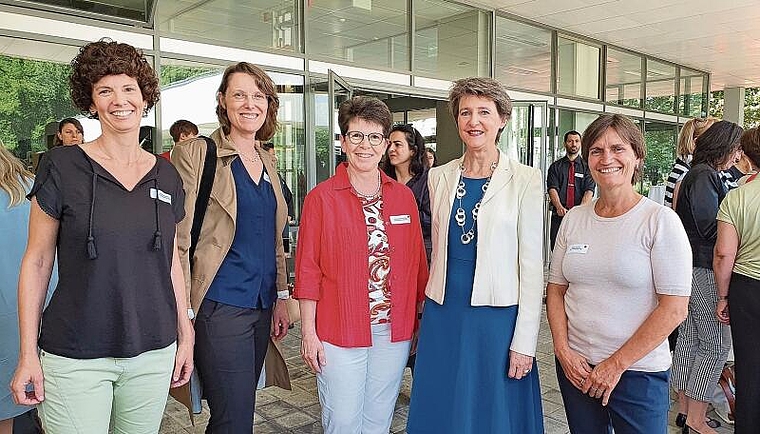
<point x="733" y="105"/>
<point x="448" y="145"/>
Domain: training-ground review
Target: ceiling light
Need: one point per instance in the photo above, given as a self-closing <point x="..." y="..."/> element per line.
<point x="342" y="20"/>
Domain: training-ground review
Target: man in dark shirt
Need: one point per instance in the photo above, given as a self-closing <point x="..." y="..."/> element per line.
<point x="568" y="182"/>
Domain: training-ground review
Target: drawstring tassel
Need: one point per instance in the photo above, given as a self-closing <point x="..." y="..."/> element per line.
<point x="92" y="253"/>
<point x="157" y="241"/>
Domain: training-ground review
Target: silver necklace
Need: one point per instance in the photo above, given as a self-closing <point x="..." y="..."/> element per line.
<point x="461" y="216"/>
<point x="367" y="196"/>
<point x="254" y="158"/>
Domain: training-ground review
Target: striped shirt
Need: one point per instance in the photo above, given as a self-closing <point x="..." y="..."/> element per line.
<point x="680" y="168"/>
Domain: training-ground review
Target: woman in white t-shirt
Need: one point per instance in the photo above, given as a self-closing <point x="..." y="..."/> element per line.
<point x="619" y="284"/>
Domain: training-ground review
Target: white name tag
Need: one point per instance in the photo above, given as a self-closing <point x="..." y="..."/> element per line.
<point x="266" y="178"/>
<point x="400" y="219"/>
<point x="579" y="175"/>
<point x="162" y="196"/>
<point x="581" y="249"/>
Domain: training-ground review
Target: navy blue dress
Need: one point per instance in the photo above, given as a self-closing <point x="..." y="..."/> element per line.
<point x="460" y="383"/>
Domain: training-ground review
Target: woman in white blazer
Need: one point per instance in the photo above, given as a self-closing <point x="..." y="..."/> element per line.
<point x="475" y="363"/>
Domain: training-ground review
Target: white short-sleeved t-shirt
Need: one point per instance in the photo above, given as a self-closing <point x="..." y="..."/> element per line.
<point x="615" y="268"/>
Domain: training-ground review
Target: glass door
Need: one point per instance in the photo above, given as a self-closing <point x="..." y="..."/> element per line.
<point x="338" y="91"/>
<point x="525" y="139"/>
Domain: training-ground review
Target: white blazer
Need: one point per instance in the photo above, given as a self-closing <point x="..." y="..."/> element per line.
<point x="509" y="268"/>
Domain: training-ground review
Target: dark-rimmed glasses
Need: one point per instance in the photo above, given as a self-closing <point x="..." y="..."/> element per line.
<point x="356" y="138"/>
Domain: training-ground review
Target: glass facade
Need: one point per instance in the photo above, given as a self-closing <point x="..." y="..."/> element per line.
<point x="267" y="24"/>
<point x="577" y="68"/>
<point x="451" y="40"/>
<point x="623" y="86"/>
<point x="661" y="87"/>
<point x="365" y="33"/>
<point x="523" y="55"/>
<point x="661" y="139"/>
<point x="693" y="99"/>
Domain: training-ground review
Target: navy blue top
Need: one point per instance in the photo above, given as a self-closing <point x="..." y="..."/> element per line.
<point x="248" y="273"/>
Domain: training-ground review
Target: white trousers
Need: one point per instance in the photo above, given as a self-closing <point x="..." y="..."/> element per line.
<point x="358" y="387"/>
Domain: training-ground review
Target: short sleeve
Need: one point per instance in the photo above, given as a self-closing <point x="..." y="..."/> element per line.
<point x="558" y="254"/>
<point x="671" y="255"/>
<point x="725" y="213"/>
<point x="46" y="188"/>
<point x="178" y="203"/>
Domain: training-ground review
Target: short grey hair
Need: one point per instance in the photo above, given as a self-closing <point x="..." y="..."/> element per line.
<point x="482" y="87"/>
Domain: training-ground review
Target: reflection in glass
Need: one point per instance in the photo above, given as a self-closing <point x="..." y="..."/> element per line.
<point x="661" y="87"/>
<point x="693" y="100"/>
<point x="577" y="68"/>
<point x="660" y="139"/>
<point x="35" y="94"/>
<point x="451" y="40"/>
<point x="523" y="55"/>
<point x="271" y="24"/>
<point x="623" y="78"/>
<point x="366" y="33"/>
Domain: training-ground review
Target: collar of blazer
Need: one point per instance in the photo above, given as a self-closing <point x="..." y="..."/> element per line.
<point x="500" y="178"/>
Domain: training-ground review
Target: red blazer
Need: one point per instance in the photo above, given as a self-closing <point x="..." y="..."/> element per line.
<point x="332" y="260"/>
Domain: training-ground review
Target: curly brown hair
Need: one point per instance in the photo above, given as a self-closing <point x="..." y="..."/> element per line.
<point x="265" y="85"/>
<point x="107" y="57"/>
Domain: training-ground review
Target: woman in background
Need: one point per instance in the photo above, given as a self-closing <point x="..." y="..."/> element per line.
<point x="703" y="342"/>
<point x="737" y="277"/>
<point x="15" y="182"/>
<point x="406" y="162"/>
<point x="70" y="132"/>
<point x="692" y="129"/>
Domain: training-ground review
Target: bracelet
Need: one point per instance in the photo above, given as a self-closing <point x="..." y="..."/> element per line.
<point x="721" y="298"/>
<point x="283" y="295"/>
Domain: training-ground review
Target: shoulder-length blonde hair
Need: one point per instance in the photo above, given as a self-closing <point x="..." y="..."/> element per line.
<point x="14" y="178"/>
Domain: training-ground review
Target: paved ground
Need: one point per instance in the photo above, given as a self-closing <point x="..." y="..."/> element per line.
<point x="297" y="411"/>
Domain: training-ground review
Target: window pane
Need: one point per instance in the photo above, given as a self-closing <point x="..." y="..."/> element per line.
<point x="138" y="10"/>
<point x="693" y="100"/>
<point x="577" y="68"/>
<point x="35" y="94"/>
<point x="188" y="91"/>
<point x="660" y="139"/>
<point x="367" y="33"/>
<point x="523" y="55"/>
<point x="623" y="78"/>
<point x="451" y="40"/>
<point x="661" y="87"/>
<point x="272" y="24"/>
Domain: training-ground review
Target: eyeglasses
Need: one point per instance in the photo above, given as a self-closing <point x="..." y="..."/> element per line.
<point x="240" y="96"/>
<point x="357" y="137"/>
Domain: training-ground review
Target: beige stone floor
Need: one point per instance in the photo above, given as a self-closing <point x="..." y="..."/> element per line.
<point x="297" y="411"/>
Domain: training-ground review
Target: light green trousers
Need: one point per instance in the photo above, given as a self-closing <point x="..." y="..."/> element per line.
<point x="85" y="396"/>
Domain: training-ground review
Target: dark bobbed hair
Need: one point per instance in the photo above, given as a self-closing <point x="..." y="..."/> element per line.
<point x="571" y="133"/>
<point x="716" y="145"/>
<point x="367" y="108"/>
<point x="625" y="128"/>
<point x="482" y="87"/>
<point x="265" y="85"/>
<point x="416" y="143"/>
<point x="750" y="141"/>
<point x="435" y="156"/>
<point x="66" y="121"/>
<point x="180" y="127"/>
<point x="106" y="57"/>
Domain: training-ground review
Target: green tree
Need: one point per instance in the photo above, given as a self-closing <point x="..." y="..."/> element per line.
<point x="751" y="106"/>
<point x="175" y="73"/>
<point x="34" y="94"/>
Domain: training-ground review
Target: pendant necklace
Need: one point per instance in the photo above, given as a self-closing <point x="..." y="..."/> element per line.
<point x="461" y="216"/>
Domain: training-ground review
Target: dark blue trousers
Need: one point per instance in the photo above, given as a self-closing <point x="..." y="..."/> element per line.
<point x="638" y="405"/>
<point x="230" y="345"/>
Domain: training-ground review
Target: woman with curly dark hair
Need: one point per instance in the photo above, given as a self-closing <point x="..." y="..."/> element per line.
<point x="116" y="333"/>
<point x="406" y="162"/>
<point x="703" y="342"/>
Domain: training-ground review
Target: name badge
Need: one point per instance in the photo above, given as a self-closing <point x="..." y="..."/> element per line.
<point x="581" y="249"/>
<point x="161" y="195"/>
<point x="266" y="178"/>
<point x="400" y="219"/>
<point x="579" y="175"/>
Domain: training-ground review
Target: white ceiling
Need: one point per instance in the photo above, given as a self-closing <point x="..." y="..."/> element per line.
<point x="718" y="36"/>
